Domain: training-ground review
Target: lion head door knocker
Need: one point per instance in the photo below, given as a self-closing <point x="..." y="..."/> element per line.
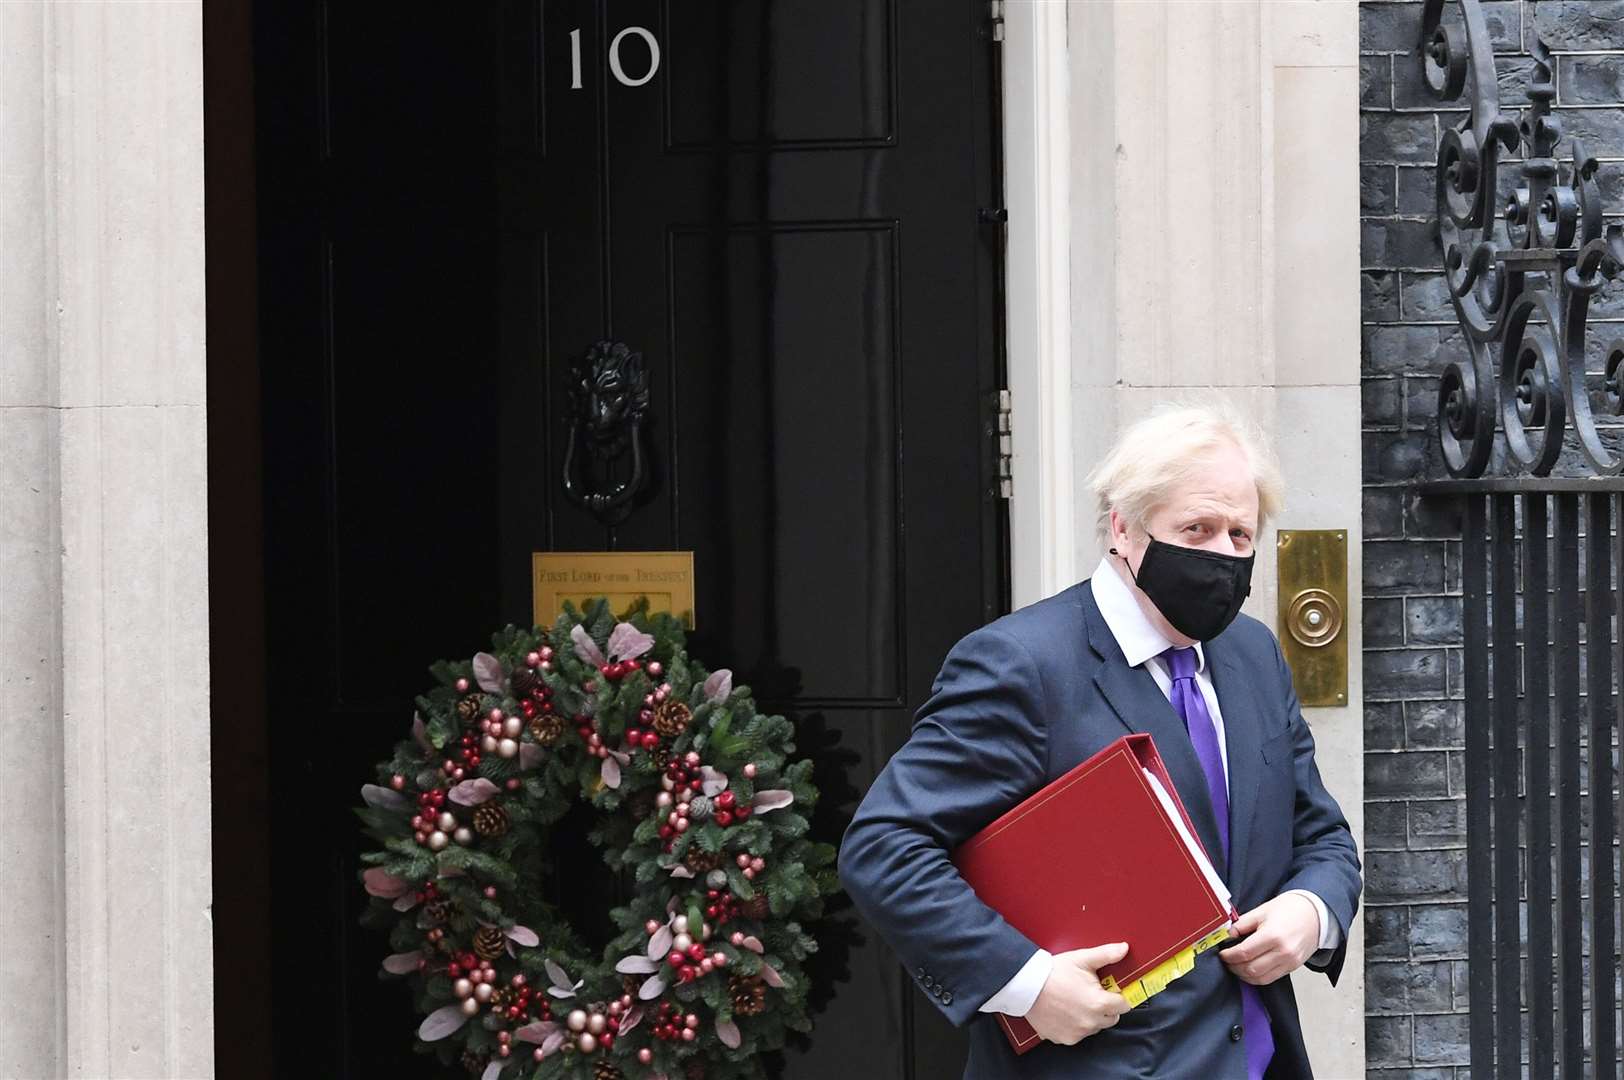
<point x="608" y="403"/>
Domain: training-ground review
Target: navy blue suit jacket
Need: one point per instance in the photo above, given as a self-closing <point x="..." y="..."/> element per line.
<point x="1018" y="703"/>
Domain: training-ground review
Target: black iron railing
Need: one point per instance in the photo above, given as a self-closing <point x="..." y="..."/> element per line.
<point x="1520" y="274"/>
<point x="1541" y="811"/>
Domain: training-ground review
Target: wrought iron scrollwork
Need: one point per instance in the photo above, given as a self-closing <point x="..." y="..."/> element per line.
<point x="1520" y="276"/>
<point x="609" y="402"/>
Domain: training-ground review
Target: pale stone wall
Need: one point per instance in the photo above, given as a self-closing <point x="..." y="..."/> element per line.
<point x="105" y="935"/>
<point x="1215" y="249"/>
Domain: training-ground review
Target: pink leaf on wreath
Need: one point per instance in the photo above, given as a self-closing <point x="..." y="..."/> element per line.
<point x="536" y="1032"/>
<point x="610" y="772"/>
<point x="402" y="963"/>
<point x="586" y="648"/>
<point x="473" y="792"/>
<point x="405" y="901"/>
<point x="530" y="755"/>
<point x="523" y="935"/>
<point x="753" y="943"/>
<point x="441" y="1022"/>
<point x="719" y="686"/>
<point x="713" y="782"/>
<point x="659" y="944"/>
<point x="627" y="642"/>
<point x="560" y="977"/>
<point x="488" y="672"/>
<point x="681" y="871"/>
<point x="775" y="799"/>
<point x="728" y="1032"/>
<point x="652" y="987"/>
<point x="551" y="1043"/>
<point x="633" y="1017"/>
<point x="494" y="1069"/>
<point x="380" y="882"/>
<point x="770" y="976"/>
<point x="421" y="733"/>
<point x="383" y="798"/>
<point x="636" y="965"/>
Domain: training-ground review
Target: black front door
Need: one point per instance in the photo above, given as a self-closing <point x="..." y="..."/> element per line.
<point x="779" y="205"/>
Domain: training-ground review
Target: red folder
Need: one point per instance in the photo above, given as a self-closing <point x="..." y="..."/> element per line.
<point x="1096" y="857"/>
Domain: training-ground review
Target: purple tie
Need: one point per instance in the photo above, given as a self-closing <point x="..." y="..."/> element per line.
<point x="1192" y="709"/>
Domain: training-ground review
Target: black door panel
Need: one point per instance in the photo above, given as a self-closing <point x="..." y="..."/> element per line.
<point x="784" y="220"/>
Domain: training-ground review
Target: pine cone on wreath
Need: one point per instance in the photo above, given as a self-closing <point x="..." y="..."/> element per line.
<point x="671" y="718"/>
<point x="473" y="1060"/>
<point x="469" y="708"/>
<point x="701" y="861"/>
<point x="756" y="908"/>
<point x="437" y="912"/>
<point x="631" y="984"/>
<point x="491" y="820"/>
<point x="545" y="728"/>
<point x="749" y="995"/>
<point x="606" y="1071"/>
<point x="489" y="942"/>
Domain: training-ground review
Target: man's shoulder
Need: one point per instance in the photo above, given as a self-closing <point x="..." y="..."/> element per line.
<point x="1054" y="623"/>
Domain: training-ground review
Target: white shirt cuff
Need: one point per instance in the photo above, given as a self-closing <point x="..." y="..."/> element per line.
<point x="1018" y="995"/>
<point x="1330" y="934"/>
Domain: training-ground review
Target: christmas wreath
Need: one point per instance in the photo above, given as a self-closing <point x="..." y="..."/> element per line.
<point x="695" y="797"/>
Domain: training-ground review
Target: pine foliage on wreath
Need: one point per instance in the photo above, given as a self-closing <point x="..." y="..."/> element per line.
<point x="695" y="793"/>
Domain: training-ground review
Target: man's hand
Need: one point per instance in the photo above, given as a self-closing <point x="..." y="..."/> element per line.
<point x="1073" y="1005"/>
<point x="1284" y="932"/>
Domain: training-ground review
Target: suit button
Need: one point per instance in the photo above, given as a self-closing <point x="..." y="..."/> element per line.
<point x="1236" y="1032"/>
<point x="947" y="997"/>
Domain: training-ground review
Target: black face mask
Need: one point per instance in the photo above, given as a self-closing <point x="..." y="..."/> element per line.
<point x="1199" y="592"/>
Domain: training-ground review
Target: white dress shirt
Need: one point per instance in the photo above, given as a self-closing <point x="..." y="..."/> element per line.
<point x="1141" y="644"/>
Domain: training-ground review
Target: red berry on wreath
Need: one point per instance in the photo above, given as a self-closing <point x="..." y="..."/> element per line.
<point x="724" y="818"/>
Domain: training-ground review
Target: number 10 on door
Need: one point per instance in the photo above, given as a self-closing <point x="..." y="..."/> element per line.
<point x="615" y="67"/>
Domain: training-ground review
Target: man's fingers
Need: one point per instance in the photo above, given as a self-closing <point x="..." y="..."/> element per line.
<point x="1099" y="956"/>
<point x="1249" y="921"/>
<point x="1247" y="951"/>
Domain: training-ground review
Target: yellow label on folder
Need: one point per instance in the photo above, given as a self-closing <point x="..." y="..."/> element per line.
<point x="1156" y="979"/>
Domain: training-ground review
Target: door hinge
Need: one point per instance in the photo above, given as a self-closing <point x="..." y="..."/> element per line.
<point x="995" y="20"/>
<point x="1005" y="445"/>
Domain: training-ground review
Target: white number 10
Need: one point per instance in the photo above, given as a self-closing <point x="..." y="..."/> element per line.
<point x="614" y="57"/>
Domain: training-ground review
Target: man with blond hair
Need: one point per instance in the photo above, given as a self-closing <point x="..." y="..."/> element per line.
<point x="1153" y="642"/>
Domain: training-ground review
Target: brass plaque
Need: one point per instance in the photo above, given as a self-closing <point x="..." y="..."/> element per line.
<point x="1313" y="612"/>
<point x="665" y="577"/>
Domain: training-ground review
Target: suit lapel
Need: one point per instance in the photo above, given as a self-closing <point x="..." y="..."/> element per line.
<point x="1138" y="702"/>
<point x="1238" y="702"/>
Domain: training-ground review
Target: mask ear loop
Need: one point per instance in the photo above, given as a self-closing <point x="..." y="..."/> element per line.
<point x="1125" y="562"/>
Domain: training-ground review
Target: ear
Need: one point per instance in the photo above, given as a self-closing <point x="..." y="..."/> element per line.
<point x="1119" y="529"/>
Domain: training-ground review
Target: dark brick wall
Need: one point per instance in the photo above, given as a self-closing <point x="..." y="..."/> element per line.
<point x="1415" y="915"/>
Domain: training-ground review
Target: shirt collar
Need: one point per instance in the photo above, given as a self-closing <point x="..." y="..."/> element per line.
<point x="1135" y="636"/>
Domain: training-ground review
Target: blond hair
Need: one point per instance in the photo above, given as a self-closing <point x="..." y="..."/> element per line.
<point x="1157" y="454"/>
